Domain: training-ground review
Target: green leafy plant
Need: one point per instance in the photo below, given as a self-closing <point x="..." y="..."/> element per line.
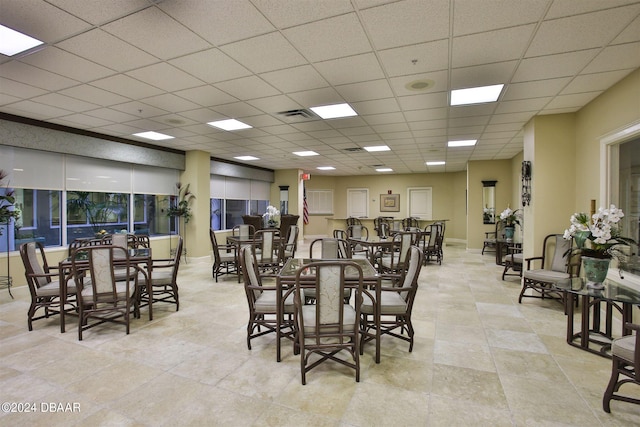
<point x="599" y="235"/>
<point x="7" y="201"/>
<point x="511" y="218"/>
<point x="98" y="214"/>
<point x="182" y="208"/>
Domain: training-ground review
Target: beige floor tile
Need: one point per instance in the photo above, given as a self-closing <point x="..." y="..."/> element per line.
<point x="479" y="359"/>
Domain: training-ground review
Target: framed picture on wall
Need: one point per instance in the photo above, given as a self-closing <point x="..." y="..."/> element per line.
<point x="389" y="203"/>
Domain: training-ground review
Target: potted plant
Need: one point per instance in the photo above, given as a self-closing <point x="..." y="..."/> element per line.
<point x="271" y="216"/>
<point x="182" y="207"/>
<point x="510" y="218"/>
<point x="598" y="240"/>
<point x="7" y="204"/>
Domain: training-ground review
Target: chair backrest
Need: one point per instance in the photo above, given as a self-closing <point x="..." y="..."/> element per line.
<point x="412" y="267"/>
<point x="29" y="253"/>
<point x="250" y="273"/>
<point x="339" y="234"/>
<point x="255" y="220"/>
<point x="353" y="221"/>
<point x="434" y="234"/>
<point x="384" y="229"/>
<point x="267" y="240"/>
<point x="286" y="221"/>
<point x="289" y="248"/>
<point x="176" y="257"/>
<point x="358" y="231"/>
<point x="120" y="240"/>
<point x="403" y="240"/>
<point x="560" y="260"/>
<point x="410" y="222"/>
<point x="214" y="246"/>
<point x="331" y="248"/>
<point x="101" y="272"/>
<point x="244" y="231"/>
<point x="330" y="284"/>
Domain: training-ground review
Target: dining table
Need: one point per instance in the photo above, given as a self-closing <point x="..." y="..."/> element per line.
<point x="596" y="332"/>
<point x="373" y="244"/>
<point x="286" y="280"/>
<point x="140" y="258"/>
<point x="240" y="241"/>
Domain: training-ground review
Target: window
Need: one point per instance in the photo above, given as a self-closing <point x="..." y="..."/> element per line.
<point x="231" y="198"/>
<point x="150" y="214"/>
<point x="89" y="213"/>
<point x="39" y="218"/>
<point x="320" y="202"/>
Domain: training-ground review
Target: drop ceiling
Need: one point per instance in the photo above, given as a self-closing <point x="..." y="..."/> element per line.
<point x="128" y="66"/>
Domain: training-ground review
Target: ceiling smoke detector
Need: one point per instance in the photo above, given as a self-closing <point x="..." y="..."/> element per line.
<point x="420" y="85"/>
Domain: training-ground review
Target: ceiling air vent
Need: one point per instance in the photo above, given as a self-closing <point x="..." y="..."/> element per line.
<point x="353" y="149"/>
<point x="298" y="115"/>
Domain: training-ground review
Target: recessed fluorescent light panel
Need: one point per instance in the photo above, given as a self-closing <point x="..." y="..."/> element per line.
<point x="335" y="111"/>
<point x="462" y="143"/>
<point x="246" y="158"/>
<point x="12" y="42"/>
<point x="305" y="153"/>
<point x="476" y="95"/>
<point x="378" y="148"/>
<point x="155" y="136"/>
<point x="230" y="124"/>
<point x="435" y="163"/>
<point x="384" y="170"/>
<point x="326" y="168"/>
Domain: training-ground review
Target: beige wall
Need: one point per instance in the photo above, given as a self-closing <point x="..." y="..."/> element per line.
<point x="448" y="197"/>
<point x="617" y="108"/>
<point x="478" y="171"/>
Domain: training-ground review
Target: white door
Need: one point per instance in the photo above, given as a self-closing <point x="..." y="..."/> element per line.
<point x="358" y="202"/>
<point x="420" y="202"/>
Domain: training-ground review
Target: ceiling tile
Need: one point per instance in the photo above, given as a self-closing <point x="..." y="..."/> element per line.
<point x="553" y="66"/>
<point x="211" y="66"/>
<point x="295" y="79"/>
<point x="506" y="44"/>
<point x="67" y="64"/>
<point x="248" y="88"/>
<point x="330" y="38"/>
<point x="156" y="33"/>
<point x="127" y="86"/>
<point x="350" y="69"/>
<point x="264" y="53"/>
<point x="472" y="16"/>
<point x="113" y="52"/>
<point x="165" y="77"/>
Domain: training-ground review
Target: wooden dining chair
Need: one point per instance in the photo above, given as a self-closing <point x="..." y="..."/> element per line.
<point x="396" y="298"/>
<point x="163" y="283"/>
<point x="261" y="299"/>
<point x="44" y="284"/>
<point x="101" y="297"/>
<point x="224" y="257"/>
<point x="330" y="325"/>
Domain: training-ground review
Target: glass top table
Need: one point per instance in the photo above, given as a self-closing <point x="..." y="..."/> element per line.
<point x="596" y="332"/>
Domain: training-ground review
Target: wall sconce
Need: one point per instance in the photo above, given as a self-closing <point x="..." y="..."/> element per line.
<point x="526" y="183"/>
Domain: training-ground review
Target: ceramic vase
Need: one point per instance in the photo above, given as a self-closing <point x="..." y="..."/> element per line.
<point x="595" y="269"/>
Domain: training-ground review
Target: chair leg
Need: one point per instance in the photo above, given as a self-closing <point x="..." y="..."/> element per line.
<point x="608" y="394"/>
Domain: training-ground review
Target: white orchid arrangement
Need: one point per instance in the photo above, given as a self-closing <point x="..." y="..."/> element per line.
<point x="510" y="218"/>
<point x="601" y="230"/>
<point x="271" y="214"/>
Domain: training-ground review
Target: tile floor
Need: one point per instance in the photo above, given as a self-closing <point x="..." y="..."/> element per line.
<point x="480" y="359"/>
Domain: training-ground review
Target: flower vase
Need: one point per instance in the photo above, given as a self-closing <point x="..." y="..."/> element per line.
<point x="580" y="237"/>
<point x="508" y="232"/>
<point x="595" y="270"/>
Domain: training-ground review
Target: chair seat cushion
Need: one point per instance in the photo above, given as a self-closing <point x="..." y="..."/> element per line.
<point x="624" y="347"/>
<point x="159" y="277"/>
<point x="547" y="276"/>
<point x="390" y="303"/>
<point x="517" y="258"/>
<point x="53" y="289"/>
<point x="227" y="256"/>
<point x="309" y="318"/>
<point x="266" y="302"/>
<point x="121" y="291"/>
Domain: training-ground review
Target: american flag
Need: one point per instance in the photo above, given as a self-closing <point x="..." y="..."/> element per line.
<point x="305" y="208"/>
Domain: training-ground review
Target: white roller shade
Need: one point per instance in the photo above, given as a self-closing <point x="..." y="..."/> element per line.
<point x="153" y="180"/>
<point x="260" y="190"/>
<point x="237" y="189"/>
<point x="85" y="174"/>
<point x="32" y="169"/>
<point x="216" y="187"/>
